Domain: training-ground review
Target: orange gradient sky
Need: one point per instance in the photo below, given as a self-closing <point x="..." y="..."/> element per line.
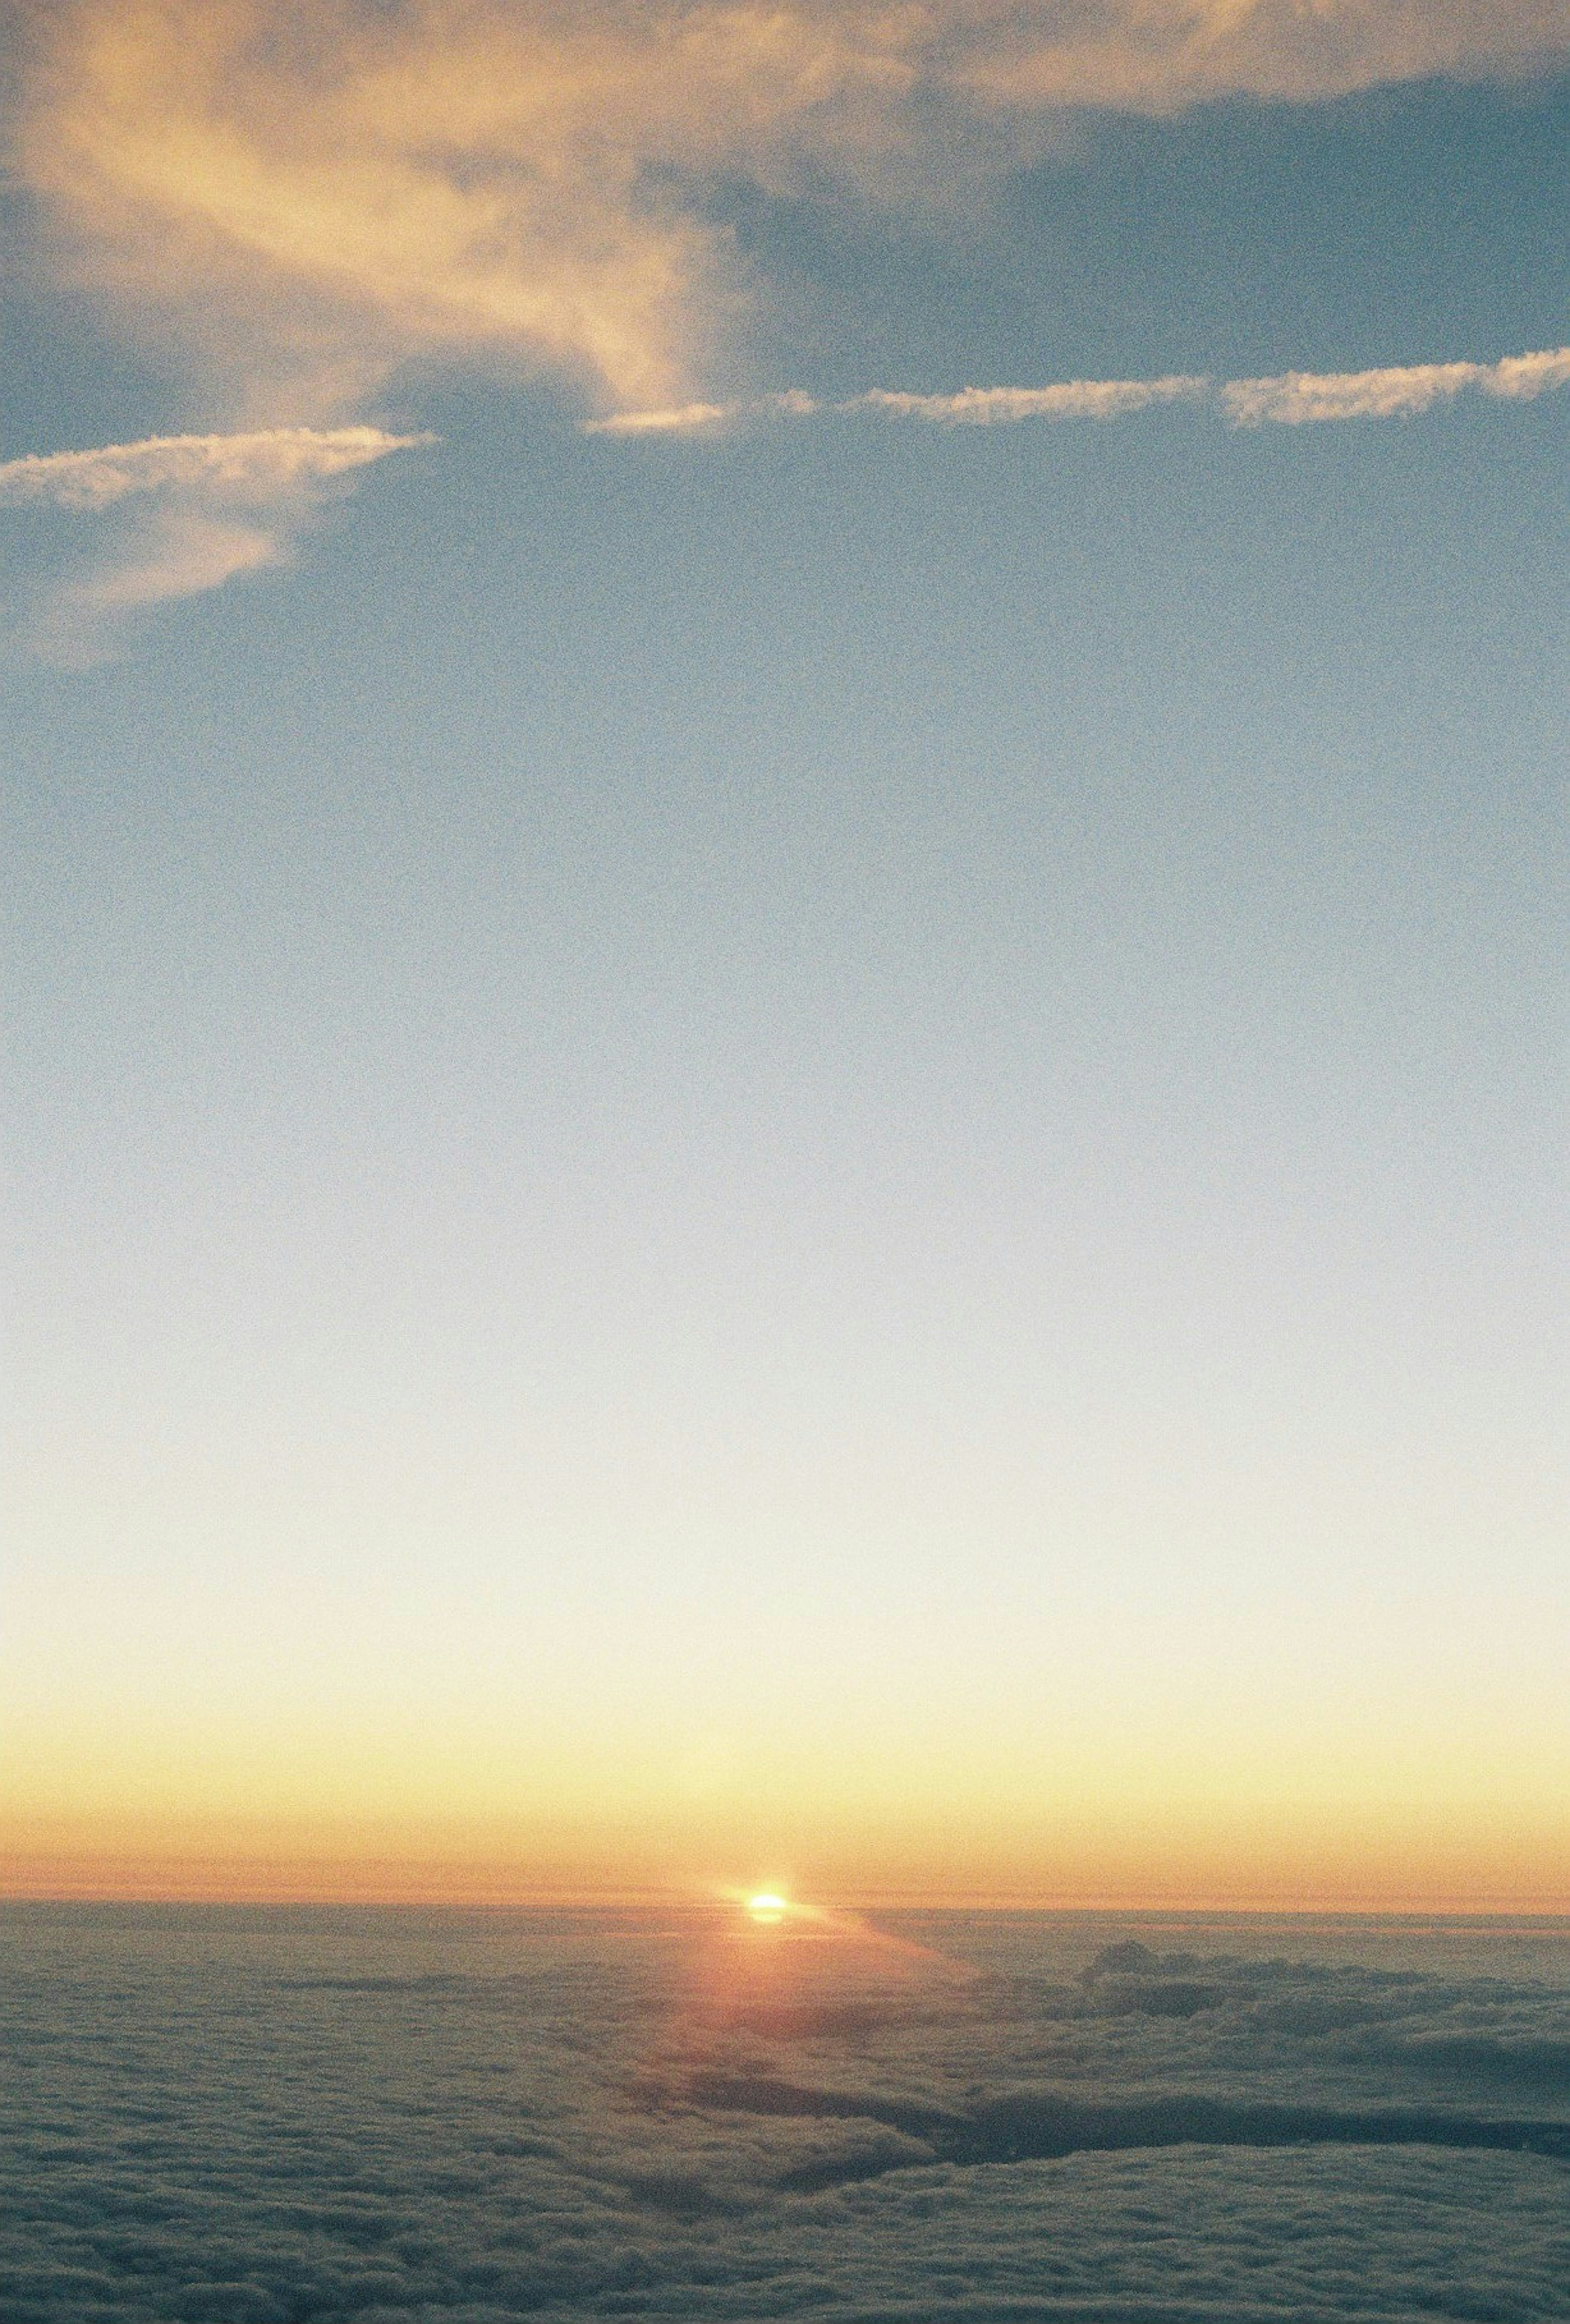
<point x="887" y="1808"/>
<point x="825" y="1146"/>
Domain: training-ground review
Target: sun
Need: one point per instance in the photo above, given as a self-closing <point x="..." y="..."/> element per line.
<point x="767" y="1907"/>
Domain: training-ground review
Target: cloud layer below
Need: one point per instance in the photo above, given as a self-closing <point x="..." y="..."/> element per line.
<point x="401" y="2115"/>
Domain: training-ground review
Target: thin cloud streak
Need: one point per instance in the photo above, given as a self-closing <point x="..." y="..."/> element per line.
<point x="1290" y="399"/>
<point x="1297" y="397"/>
<point x="1073" y="399"/>
<point x="258" y="466"/>
<point x="205" y="509"/>
<point x="692" y="418"/>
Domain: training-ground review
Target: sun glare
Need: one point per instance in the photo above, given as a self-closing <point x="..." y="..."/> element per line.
<point x="766" y="1906"/>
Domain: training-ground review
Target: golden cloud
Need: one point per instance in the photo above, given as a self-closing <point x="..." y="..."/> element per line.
<point x="314" y="197"/>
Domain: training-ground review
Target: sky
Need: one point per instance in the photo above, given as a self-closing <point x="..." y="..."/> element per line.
<point x="785" y="881"/>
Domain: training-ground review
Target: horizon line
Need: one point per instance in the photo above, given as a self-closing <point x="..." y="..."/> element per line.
<point x="698" y="1900"/>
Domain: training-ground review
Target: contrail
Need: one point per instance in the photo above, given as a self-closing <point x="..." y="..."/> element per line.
<point x="1289" y="399"/>
<point x="254" y="466"/>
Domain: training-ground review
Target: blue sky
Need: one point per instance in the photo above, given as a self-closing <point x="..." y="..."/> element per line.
<point x="797" y="1118"/>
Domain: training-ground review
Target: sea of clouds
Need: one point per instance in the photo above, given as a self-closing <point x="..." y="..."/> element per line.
<point x="268" y="2116"/>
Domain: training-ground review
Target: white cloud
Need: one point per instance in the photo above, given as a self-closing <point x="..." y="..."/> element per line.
<point x="1075" y="399"/>
<point x="667" y="419"/>
<point x="1288" y="399"/>
<point x="202" y="485"/>
<point x="1298" y="396"/>
<point x="259" y="466"/>
<point x="1522" y="377"/>
<point x="695" y="419"/>
<point x="613" y="2153"/>
<point x="205" y="509"/>
<point x="180" y="551"/>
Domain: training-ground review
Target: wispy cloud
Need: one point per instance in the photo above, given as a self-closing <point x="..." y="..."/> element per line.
<point x="187" y="552"/>
<point x="692" y="418"/>
<point x="1073" y="399"/>
<point x="311" y="198"/>
<point x="258" y="466"/>
<point x="1519" y="378"/>
<point x="209" y="507"/>
<point x="1298" y="396"/>
<point x="1290" y="399"/>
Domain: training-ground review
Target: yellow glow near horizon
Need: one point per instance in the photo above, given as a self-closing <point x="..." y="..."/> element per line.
<point x="767" y="1907"/>
<point x="230" y="1816"/>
